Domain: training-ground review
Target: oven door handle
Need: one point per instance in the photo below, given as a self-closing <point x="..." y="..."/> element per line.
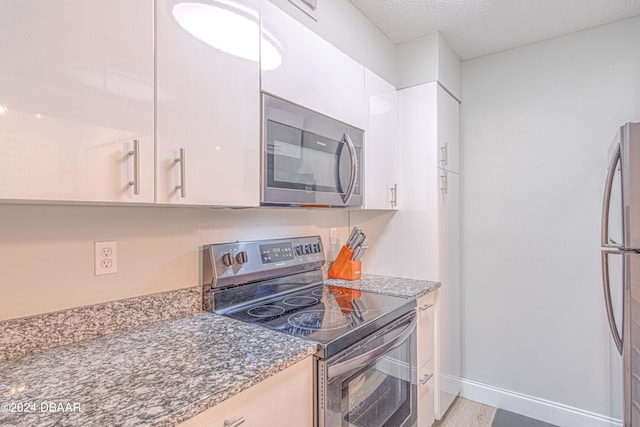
<point x="398" y="337"/>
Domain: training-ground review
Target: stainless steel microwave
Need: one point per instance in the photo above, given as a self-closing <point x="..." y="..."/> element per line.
<point x="308" y="159"/>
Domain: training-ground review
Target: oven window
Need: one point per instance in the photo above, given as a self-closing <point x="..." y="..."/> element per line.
<point x="380" y="395"/>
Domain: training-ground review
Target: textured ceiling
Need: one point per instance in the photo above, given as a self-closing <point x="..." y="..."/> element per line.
<point x="479" y="27"/>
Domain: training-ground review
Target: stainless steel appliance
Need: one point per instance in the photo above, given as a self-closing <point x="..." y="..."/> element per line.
<point x="308" y="159"/>
<point x="621" y="261"/>
<point x="365" y="366"/>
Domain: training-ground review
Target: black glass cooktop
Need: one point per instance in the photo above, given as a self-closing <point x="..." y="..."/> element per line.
<point x="334" y="317"/>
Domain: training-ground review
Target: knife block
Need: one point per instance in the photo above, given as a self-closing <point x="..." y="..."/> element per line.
<point x="344" y="267"/>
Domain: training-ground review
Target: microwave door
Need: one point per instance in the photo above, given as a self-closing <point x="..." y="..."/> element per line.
<point x="329" y="160"/>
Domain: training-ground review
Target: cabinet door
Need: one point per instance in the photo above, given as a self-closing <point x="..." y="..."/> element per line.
<point x="208" y="103"/>
<point x="426" y="392"/>
<point x="301" y="67"/>
<point x="283" y="400"/>
<point x="381" y="144"/>
<point x="448" y="303"/>
<point x="448" y="133"/>
<point x="426" y="319"/>
<point x="76" y="91"/>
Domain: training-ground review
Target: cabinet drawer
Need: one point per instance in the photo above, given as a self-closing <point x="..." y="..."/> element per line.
<point x="263" y="403"/>
<point x="426" y="395"/>
<point x="426" y="316"/>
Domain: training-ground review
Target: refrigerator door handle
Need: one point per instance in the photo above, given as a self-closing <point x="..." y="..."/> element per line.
<point x="605" y="241"/>
<point x="607" y="298"/>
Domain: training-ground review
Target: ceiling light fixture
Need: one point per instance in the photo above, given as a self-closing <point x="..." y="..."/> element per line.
<point x="230" y="27"/>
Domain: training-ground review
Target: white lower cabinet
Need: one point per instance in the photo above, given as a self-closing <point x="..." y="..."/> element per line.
<point x="425" y="359"/>
<point x="425" y="330"/>
<point x="283" y="400"/>
<point x="426" y="395"/>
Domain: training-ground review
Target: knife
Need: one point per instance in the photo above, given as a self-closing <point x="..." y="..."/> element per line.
<point x="360" y="253"/>
<point x="352" y="236"/>
<point x="359" y="240"/>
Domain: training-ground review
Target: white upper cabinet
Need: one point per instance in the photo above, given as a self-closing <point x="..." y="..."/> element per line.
<point x="448" y="125"/>
<point x="381" y="144"/>
<point x="301" y="67"/>
<point x="208" y="103"/>
<point x="76" y="91"/>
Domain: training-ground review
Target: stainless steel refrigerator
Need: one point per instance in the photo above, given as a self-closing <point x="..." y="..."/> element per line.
<point x="621" y="263"/>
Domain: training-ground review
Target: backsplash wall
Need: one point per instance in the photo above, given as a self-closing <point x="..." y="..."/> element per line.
<point x="47" y="252"/>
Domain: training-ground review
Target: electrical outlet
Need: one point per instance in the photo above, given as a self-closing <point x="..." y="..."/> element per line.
<point x="333" y="233"/>
<point x="106" y="258"/>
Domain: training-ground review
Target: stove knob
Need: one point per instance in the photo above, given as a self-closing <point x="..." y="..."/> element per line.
<point x="227" y="259"/>
<point x="316" y="248"/>
<point x="307" y="249"/>
<point x="298" y="250"/>
<point x="241" y="257"/>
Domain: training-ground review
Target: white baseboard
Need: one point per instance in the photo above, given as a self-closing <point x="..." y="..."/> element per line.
<point x="533" y="407"/>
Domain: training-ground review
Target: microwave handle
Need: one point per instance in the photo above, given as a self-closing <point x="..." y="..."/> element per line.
<point x="354" y="169"/>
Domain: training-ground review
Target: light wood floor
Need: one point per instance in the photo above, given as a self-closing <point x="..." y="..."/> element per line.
<point x="467" y="413"/>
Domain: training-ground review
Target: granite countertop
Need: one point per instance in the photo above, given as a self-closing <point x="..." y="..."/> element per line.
<point x="388" y="285"/>
<point x="159" y="374"/>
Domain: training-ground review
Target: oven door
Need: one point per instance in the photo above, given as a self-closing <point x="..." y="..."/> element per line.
<point x="309" y="159"/>
<point x="372" y="383"/>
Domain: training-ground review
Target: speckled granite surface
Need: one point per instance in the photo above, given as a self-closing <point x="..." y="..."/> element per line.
<point x="388" y="285"/>
<point x="160" y="374"/>
<point x="22" y="336"/>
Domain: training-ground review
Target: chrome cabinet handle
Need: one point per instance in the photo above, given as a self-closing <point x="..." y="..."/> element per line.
<point x="135" y="182"/>
<point x="604" y="239"/>
<point x="394" y="198"/>
<point x="444" y="158"/>
<point x="426" y="307"/>
<point x="445" y="182"/>
<point x="183" y="181"/>
<point x="235" y="423"/>
<point x="425" y="379"/>
<point x="354" y="168"/>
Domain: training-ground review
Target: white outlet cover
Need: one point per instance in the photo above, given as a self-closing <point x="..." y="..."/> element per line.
<point x="106" y="258"/>
<point x="333" y="233"/>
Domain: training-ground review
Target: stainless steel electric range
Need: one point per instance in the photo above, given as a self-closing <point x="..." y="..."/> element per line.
<point x="365" y="367"/>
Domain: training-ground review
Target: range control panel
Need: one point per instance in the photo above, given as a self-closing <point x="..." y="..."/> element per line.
<point x="235" y="263"/>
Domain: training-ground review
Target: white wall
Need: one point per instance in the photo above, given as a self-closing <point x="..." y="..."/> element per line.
<point x="536" y="125"/>
<point x="344" y="26"/>
<point x="46" y="252"/>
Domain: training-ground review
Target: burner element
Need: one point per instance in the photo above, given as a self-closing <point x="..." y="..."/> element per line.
<point x="300" y="301"/>
<point x="314" y="320"/>
<point x="265" y="311"/>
